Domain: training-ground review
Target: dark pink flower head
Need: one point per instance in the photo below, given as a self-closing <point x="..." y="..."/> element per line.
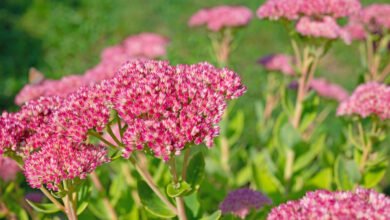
<point x="322" y="204"/>
<point x="294" y="9"/>
<point x="328" y="90"/>
<point x="8" y="169"/>
<point x="12" y="132"/>
<point x="355" y="29"/>
<point x="85" y="109"/>
<point x="221" y="17"/>
<point x="325" y="27"/>
<point x="60" y="161"/>
<point x="368" y="99"/>
<point x="167" y="107"/>
<point x="278" y="62"/>
<point x="240" y="202"/>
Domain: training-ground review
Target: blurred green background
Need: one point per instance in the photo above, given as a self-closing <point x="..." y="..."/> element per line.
<point x="66" y="37"/>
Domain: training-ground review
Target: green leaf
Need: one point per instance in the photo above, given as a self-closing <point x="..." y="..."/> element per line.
<point x="178" y="189"/>
<point x="47" y="208"/>
<point x="309" y="156"/>
<point x="195" y="170"/>
<point x="152" y="203"/>
<point x="346" y="173"/>
<point x="215" y="216"/>
<point x="237" y="125"/>
<point x="289" y="136"/>
<point x="374" y="175"/>
<point x="193" y="204"/>
<point x="322" y="179"/>
<point x="82" y="207"/>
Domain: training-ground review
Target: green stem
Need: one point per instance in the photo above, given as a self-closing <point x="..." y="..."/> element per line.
<point x="111" y="133"/>
<point x="100" y="137"/>
<point x="149" y="180"/>
<point x="52" y="199"/>
<point x="70" y="203"/>
<point x="181" y="213"/>
<point x="99" y="187"/>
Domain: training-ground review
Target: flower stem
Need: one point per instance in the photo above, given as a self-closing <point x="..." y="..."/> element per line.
<point x="99" y="187"/>
<point x="181" y="212"/>
<point x="70" y="203"/>
<point x="52" y="199"/>
<point x="149" y="180"/>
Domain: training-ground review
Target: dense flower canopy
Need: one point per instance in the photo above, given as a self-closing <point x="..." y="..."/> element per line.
<point x="322" y="204"/>
<point x="167" y="107"/>
<point x="221" y="17"/>
<point x="241" y="201"/>
<point x="368" y="99"/>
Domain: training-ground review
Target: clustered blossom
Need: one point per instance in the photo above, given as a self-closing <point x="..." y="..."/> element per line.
<point x="325" y="27"/>
<point x="321" y="204"/>
<point x="141" y="46"/>
<point x="167" y="107"/>
<point x="164" y="108"/>
<point x="368" y="99"/>
<point x="315" y="18"/>
<point x="278" y="62"/>
<point x="221" y="17"/>
<point x="328" y="90"/>
<point x="8" y="169"/>
<point x="374" y="18"/>
<point x="62" y="161"/>
<point x="240" y="202"/>
<point x="294" y="9"/>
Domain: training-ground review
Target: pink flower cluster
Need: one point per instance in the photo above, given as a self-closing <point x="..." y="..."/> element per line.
<point x="368" y="99"/>
<point x="278" y="62"/>
<point x="374" y="18"/>
<point x="240" y="202"/>
<point x="328" y="90"/>
<point x="62" y="161"/>
<point x="326" y="205"/>
<point x="8" y="169"/>
<point x="144" y="45"/>
<point x="167" y="107"/>
<point x="294" y="9"/>
<point x="315" y="18"/>
<point x="325" y="27"/>
<point x="221" y="17"/>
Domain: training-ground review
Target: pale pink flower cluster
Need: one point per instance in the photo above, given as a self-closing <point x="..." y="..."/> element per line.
<point x="315" y="18"/>
<point x="167" y="107"/>
<point x="144" y="45"/>
<point x="368" y="99"/>
<point x="60" y="161"/>
<point x="294" y="9"/>
<point x="221" y="17"/>
<point x="278" y="62"/>
<point x="326" y="27"/>
<point x="8" y="169"/>
<point x="241" y="201"/>
<point x="321" y="204"/>
<point x="328" y="90"/>
<point x="374" y="18"/>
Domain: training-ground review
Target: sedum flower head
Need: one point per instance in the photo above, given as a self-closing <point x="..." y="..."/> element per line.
<point x="241" y="201"/>
<point x="221" y="17"/>
<point x="294" y="9"/>
<point x="326" y="205"/>
<point x="62" y="160"/>
<point x="278" y="62"/>
<point x="167" y="107"/>
<point x="368" y="99"/>
<point x="8" y="169"/>
<point x="328" y="90"/>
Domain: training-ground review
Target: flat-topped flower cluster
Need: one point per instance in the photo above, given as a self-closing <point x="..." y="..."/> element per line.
<point x="164" y="109"/>
<point x="322" y="204"/>
<point x="315" y="18"/>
